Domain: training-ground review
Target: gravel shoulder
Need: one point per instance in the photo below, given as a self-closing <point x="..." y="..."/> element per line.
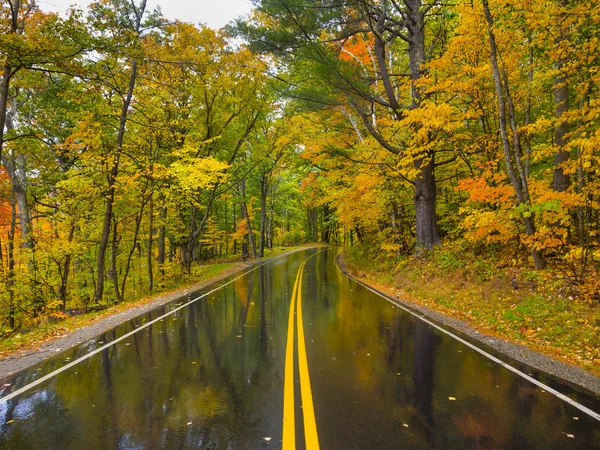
<point x="524" y="355"/>
<point x="25" y="358"/>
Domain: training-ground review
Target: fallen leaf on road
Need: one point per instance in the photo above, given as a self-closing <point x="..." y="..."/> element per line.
<point x="267" y="438"/>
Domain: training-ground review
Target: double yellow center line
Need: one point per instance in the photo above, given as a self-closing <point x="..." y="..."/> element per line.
<point x="289" y="419"/>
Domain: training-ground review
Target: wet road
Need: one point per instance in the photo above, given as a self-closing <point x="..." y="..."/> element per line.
<point x="221" y="373"/>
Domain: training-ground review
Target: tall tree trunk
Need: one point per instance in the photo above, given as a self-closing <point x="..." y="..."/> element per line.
<point x="519" y="186"/>
<point x="64" y="279"/>
<point x="21" y="193"/>
<point x="16" y="168"/>
<point x="150" y="242"/>
<point x="272" y="217"/>
<point x="234" y="221"/>
<point x="247" y="218"/>
<point x="427" y="233"/>
<point x="561" y="179"/>
<point x="264" y="186"/>
<point x="11" y="259"/>
<point x="8" y="72"/>
<point x="314" y="228"/>
<point x="162" y="233"/>
<point x="110" y="197"/>
<point x="113" y="266"/>
<point x="134" y="245"/>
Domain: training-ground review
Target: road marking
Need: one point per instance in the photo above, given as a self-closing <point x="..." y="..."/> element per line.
<point x="311" y="437"/>
<point x="516" y="371"/>
<point x="289" y="416"/>
<point x="110" y="344"/>
<point x="289" y="419"/>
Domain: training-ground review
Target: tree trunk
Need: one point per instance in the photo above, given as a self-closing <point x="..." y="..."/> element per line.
<point x="263" y="215"/>
<point x="150" y="242"/>
<point x="110" y="197"/>
<point x="271" y="218"/>
<point x="11" y="260"/>
<point x="427" y="233"/>
<point x="21" y="193"/>
<point x="520" y="186"/>
<point x="113" y="265"/>
<point x="65" y="272"/>
<point x="560" y="181"/>
<point x="134" y="245"/>
<point x="6" y="76"/>
<point x="162" y="231"/>
<point x="246" y="216"/>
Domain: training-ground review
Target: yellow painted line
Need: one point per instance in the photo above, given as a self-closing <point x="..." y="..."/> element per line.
<point x="310" y="424"/>
<point x="289" y="418"/>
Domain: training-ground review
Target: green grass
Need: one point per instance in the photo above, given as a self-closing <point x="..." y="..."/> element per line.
<point x="49" y="328"/>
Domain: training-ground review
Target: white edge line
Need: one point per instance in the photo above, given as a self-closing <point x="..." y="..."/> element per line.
<point x="110" y="344"/>
<point x="538" y="383"/>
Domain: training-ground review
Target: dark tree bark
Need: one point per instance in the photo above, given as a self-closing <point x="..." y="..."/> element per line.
<point x="113" y="261"/>
<point x="11" y="259"/>
<point x="428" y="234"/>
<point x="246" y="216"/>
<point x="8" y="71"/>
<point x="64" y="272"/>
<point x="150" y="243"/>
<point x="264" y="188"/>
<point x="162" y="232"/>
<point x="561" y="179"/>
<point x="110" y="196"/>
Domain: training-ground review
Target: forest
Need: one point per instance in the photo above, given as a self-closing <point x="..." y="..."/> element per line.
<point x="136" y="150"/>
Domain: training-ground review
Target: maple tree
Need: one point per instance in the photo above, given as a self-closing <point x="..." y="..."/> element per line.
<point x="134" y="150"/>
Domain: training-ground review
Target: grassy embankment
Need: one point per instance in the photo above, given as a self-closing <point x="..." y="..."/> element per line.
<point x="47" y="329"/>
<point x="537" y="309"/>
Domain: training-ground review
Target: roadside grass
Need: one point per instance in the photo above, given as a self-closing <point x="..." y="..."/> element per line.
<point x="58" y="325"/>
<point x="539" y="313"/>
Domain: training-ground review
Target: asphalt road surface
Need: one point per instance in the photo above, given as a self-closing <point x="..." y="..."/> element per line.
<point x="292" y="354"/>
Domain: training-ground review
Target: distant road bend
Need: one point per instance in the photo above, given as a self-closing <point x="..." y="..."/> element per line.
<point x="292" y="354"/>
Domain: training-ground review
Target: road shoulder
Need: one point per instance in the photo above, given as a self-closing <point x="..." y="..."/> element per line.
<point x="39" y="351"/>
<point x="517" y="352"/>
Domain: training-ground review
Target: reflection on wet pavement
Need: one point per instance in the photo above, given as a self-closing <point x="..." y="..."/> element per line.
<point x="211" y="376"/>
